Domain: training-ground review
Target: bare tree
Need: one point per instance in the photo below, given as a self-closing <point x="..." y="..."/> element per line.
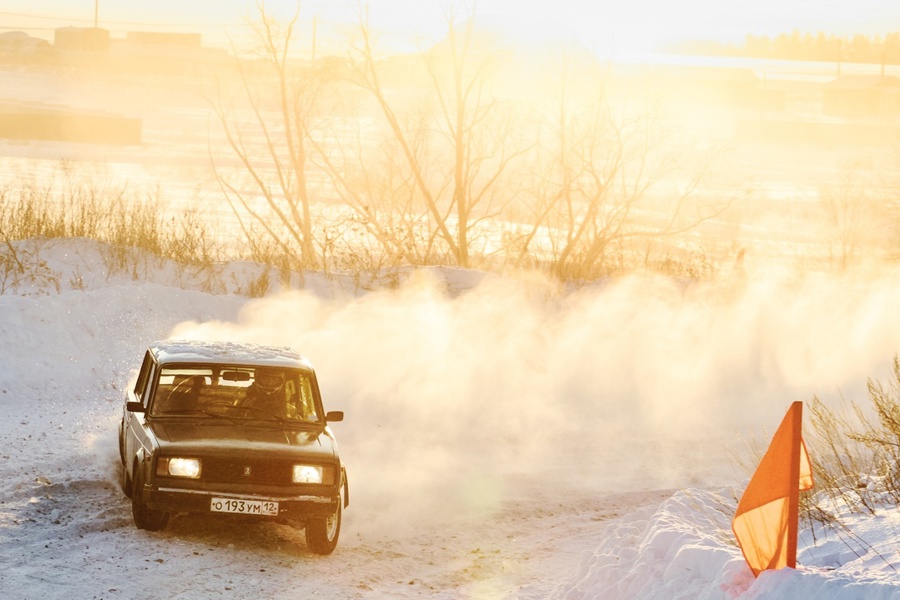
<point x="289" y="140"/>
<point x="270" y="139"/>
<point x="849" y="208"/>
<point x="455" y="143"/>
<point x="430" y="172"/>
<point x="369" y="174"/>
<point x="607" y="181"/>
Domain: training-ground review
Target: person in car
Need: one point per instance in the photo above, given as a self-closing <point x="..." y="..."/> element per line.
<point x="266" y="393"/>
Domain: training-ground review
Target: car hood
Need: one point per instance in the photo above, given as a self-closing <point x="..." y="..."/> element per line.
<point x="225" y="436"/>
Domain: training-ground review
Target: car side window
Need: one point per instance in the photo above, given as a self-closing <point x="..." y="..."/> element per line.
<point x="300" y="399"/>
<point x="140" y="386"/>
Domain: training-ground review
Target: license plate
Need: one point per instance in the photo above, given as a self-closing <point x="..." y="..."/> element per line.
<point x="244" y="507"/>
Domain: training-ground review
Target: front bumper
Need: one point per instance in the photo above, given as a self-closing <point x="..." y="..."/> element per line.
<point x="291" y="508"/>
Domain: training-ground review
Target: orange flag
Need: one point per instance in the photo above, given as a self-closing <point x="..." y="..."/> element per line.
<point x="765" y="523"/>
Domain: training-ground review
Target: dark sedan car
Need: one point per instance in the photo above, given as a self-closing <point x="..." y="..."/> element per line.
<point x="231" y="428"/>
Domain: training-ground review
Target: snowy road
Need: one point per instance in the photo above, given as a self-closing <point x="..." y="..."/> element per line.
<point x="76" y="540"/>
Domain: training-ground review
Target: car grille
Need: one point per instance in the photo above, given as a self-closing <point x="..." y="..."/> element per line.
<point x="229" y="470"/>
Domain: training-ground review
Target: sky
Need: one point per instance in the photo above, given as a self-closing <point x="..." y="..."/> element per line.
<point x="604" y="25"/>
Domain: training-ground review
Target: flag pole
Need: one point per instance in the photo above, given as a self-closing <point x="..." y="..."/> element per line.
<point x="794" y="499"/>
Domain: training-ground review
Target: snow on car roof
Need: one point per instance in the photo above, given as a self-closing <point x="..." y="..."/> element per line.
<point x="195" y="351"/>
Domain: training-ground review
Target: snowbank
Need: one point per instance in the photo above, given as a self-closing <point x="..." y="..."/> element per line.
<point x="684" y="549"/>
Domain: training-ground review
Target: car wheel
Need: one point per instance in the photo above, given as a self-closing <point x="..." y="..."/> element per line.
<point x="122" y="443"/>
<point x="144" y="516"/>
<point x="124" y="479"/>
<point x="322" y="532"/>
<point x="125" y="482"/>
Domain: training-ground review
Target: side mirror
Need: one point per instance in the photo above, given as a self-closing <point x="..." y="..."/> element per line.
<point x="334" y="416"/>
<point x="135" y="407"/>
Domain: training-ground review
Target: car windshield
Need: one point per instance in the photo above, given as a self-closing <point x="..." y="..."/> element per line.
<point x="235" y="392"/>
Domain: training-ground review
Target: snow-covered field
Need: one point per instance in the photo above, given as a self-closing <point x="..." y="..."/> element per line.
<point x="503" y="440"/>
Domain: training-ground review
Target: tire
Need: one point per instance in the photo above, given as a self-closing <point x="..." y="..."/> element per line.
<point x="125" y="482"/>
<point x="124" y="479"/>
<point x="122" y="444"/>
<point x="322" y="533"/>
<point x="145" y="517"/>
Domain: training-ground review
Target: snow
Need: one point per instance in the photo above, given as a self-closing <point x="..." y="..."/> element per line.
<point x="203" y="351"/>
<point x="503" y="440"/>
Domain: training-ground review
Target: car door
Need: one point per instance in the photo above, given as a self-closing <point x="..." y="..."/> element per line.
<point x="136" y="435"/>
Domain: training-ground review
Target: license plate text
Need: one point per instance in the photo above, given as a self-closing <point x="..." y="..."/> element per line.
<point x="244" y="507"/>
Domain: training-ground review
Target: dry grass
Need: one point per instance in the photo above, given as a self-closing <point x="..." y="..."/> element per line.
<point x="855" y="454"/>
<point x="130" y="223"/>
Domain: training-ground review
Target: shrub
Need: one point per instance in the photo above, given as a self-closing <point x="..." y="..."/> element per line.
<point x="855" y="451"/>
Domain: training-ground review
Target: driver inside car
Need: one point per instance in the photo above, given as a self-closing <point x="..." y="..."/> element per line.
<point x="266" y="393"/>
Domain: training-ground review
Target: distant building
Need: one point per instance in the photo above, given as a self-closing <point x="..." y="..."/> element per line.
<point x="81" y="39"/>
<point x="163" y="52"/>
<point x="19" y="42"/>
<point x="862" y="96"/>
<point x="155" y="38"/>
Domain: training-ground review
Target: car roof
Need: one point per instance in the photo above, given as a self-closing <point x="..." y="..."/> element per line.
<point x="227" y="353"/>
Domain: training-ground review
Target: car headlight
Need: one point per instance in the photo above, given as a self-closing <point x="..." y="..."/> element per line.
<point x="313" y="474"/>
<point x="179" y="467"/>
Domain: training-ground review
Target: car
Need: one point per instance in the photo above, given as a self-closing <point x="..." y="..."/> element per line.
<point x="228" y="428"/>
